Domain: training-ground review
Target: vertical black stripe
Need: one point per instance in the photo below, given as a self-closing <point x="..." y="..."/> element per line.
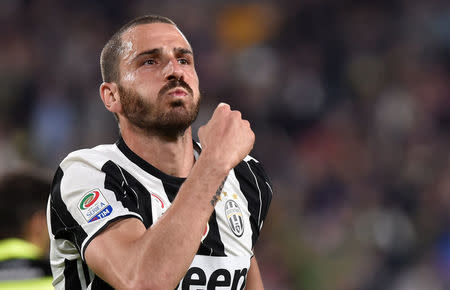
<point x="212" y="241"/>
<point x="86" y="273"/>
<point x="63" y="225"/>
<point x="130" y="192"/>
<point x="266" y="192"/>
<point x="248" y="185"/>
<point x="71" y="278"/>
<point x="171" y="188"/>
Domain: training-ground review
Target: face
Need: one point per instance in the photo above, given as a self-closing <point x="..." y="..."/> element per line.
<point x="158" y="85"/>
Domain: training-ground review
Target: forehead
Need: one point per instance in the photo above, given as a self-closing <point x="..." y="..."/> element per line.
<point x="153" y="35"/>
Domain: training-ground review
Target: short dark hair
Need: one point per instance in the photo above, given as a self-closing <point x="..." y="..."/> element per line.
<point x="109" y="58"/>
<point x="24" y="192"/>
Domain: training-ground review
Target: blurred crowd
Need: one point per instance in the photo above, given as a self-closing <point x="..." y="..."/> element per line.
<point x="349" y="100"/>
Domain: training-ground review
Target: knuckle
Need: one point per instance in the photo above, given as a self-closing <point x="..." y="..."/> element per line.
<point x="236" y="114"/>
<point x="223" y="107"/>
<point x="223" y="111"/>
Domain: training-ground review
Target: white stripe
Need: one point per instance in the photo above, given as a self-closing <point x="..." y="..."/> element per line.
<point x="48" y="210"/>
<point x="234" y="246"/>
<point x="268" y="185"/>
<point x="260" y="199"/>
<point x="248" y="158"/>
<point x="81" y="274"/>
<point x="91" y="277"/>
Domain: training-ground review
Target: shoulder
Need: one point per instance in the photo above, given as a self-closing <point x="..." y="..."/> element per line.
<point x="257" y="189"/>
<point x="95" y="157"/>
<point x="255" y="167"/>
<point x="82" y="170"/>
<point x="253" y="178"/>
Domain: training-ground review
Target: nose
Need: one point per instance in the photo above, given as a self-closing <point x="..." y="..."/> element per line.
<point x="172" y="70"/>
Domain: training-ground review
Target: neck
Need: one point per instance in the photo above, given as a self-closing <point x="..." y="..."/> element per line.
<point x="172" y="156"/>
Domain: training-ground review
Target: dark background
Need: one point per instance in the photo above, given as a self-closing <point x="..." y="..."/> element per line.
<point x="349" y="100"/>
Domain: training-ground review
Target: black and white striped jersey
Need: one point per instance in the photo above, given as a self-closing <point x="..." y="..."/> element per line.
<point x="95" y="187"/>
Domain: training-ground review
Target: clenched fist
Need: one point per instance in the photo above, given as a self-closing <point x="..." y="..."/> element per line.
<point x="226" y="138"/>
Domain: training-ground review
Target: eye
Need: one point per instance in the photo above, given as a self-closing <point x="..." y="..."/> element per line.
<point x="149" y="62"/>
<point x="183" y="61"/>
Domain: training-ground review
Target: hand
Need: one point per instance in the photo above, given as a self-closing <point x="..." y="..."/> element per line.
<point x="226" y="139"/>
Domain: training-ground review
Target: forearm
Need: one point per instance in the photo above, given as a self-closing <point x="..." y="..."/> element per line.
<point x="173" y="241"/>
<point x="160" y="256"/>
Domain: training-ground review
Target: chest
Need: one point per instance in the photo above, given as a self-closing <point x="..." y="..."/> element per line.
<point x="229" y="230"/>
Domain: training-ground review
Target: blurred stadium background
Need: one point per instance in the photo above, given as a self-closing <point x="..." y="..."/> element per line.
<point x="350" y="102"/>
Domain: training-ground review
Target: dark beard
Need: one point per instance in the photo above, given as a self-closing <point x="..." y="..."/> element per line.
<point x="169" y="124"/>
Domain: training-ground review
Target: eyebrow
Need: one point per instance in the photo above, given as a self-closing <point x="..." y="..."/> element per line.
<point x="180" y="50"/>
<point x="157" y="51"/>
<point x="147" y="52"/>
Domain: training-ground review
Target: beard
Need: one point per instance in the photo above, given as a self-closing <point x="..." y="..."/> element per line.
<point x="156" y="119"/>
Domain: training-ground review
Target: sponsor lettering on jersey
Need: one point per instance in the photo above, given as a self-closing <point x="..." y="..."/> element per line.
<point x="234" y="217"/>
<point x="208" y="272"/>
<point x="94" y="206"/>
<point x="195" y="276"/>
<point x="104" y="213"/>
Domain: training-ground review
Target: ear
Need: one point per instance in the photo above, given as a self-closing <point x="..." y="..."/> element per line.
<point x="109" y="93"/>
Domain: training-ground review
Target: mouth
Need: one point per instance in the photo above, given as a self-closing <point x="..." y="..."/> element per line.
<point x="178" y="92"/>
<point x="177" y="97"/>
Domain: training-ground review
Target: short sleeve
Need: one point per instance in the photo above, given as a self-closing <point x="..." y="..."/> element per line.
<point x="84" y="201"/>
<point x="264" y="186"/>
<point x="257" y="189"/>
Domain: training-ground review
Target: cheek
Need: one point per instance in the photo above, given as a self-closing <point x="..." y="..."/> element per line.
<point x="148" y="90"/>
<point x="193" y="79"/>
<point x="129" y="77"/>
<point x="145" y="82"/>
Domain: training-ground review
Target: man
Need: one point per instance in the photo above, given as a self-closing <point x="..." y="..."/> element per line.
<point x="157" y="210"/>
<point x="23" y="231"/>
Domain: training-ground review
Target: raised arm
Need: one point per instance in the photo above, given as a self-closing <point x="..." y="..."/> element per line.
<point x="128" y="256"/>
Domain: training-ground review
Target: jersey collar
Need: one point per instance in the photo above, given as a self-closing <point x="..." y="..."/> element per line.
<point x="133" y="157"/>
